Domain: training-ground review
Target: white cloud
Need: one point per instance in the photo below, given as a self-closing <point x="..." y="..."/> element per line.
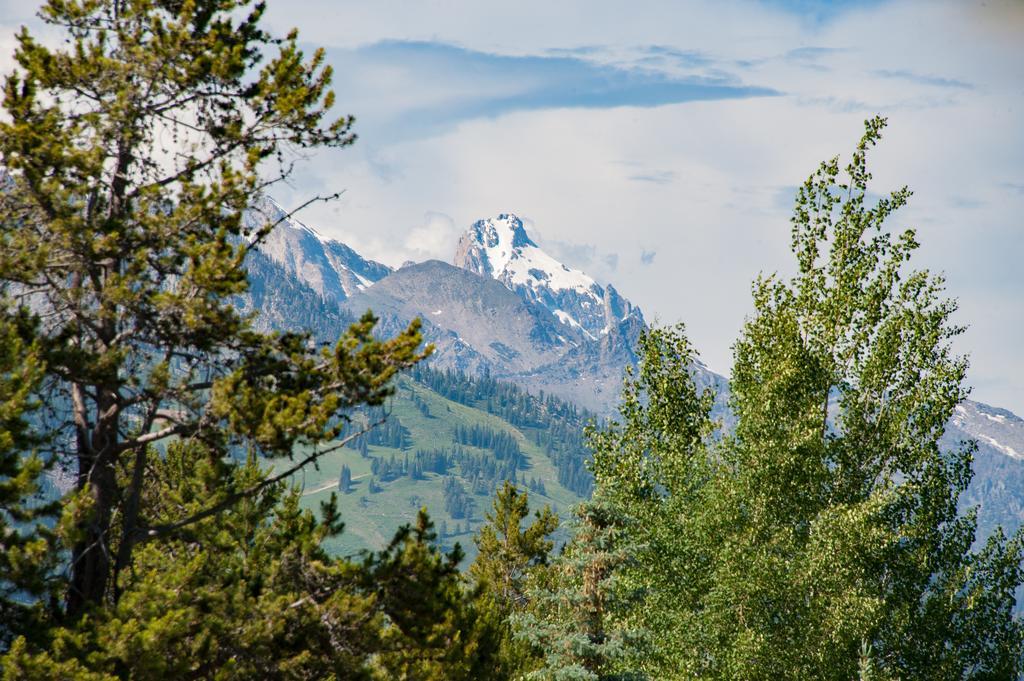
<point x="434" y="239"/>
<point x="718" y="212"/>
<point x="530" y="26"/>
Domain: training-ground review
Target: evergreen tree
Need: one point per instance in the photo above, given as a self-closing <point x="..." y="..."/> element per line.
<point x="456" y="502"/>
<point x="345" y="480"/>
<point x="510" y="559"/>
<point x="821" y="539"/>
<point x="508" y="552"/>
<point x="436" y="629"/>
<point x="253" y="595"/>
<point x="578" y="620"/>
<point x="559" y="425"/>
<point x="27" y="545"/>
<point x="132" y="151"/>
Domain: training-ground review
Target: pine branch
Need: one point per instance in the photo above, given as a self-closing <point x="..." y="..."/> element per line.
<point x="145" y="534"/>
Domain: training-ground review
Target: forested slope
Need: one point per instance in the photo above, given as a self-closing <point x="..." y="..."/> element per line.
<point x="447" y="441"/>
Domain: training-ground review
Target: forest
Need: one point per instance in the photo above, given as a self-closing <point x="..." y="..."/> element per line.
<point x="818" y="537"/>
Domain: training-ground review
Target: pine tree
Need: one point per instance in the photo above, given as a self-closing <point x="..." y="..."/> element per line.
<point x="345" y="480"/>
<point x="27" y="544"/>
<point x="508" y="552"/>
<point x="253" y="595"/>
<point x="510" y="559"/>
<point x="437" y="630"/>
<point x="132" y="151"/>
<point x="578" y="617"/>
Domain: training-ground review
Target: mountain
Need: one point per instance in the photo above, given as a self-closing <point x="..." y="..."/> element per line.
<point x="500" y="248"/>
<point x="328" y="267"/>
<point x="450" y="439"/>
<point x="507" y="312"/>
<point x="598" y="328"/>
<point x="476" y="324"/>
<point x="997" y="489"/>
<point x="508" y="309"/>
<point x="999" y="429"/>
<point x="282" y="301"/>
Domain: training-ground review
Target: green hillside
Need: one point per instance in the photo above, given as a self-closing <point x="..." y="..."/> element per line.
<point x="464" y="434"/>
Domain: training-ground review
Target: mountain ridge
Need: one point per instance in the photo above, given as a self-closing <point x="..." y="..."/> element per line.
<point x="484" y="320"/>
<point x="500" y="248"/>
<point x="329" y="267"/>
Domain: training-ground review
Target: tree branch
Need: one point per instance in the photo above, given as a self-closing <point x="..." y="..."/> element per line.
<point x="162" y="530"/>
<point x="265" y="230"/>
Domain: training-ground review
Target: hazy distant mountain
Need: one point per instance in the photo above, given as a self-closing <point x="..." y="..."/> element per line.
<point x="510" y="311"/>
<point x="999" y="429"/>
<point x="998" y="486"/>
<point x="328" y="267"/>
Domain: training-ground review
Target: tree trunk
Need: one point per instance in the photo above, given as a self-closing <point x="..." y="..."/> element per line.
<point x="93" y="557"/>
<point x="90" y="558"/>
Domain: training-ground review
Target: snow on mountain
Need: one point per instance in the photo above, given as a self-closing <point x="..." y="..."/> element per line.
<point x="1000" y="429"/>
<point x="327" y="266"/>
<point x="531" y="320"/>
<point x="500" y="248"/>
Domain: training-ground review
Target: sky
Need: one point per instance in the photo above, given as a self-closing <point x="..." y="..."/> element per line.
<point x="657" y="144"/>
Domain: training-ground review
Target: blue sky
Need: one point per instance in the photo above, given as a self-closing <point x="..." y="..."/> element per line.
<point x="453" y="84"/>
<point x="656" y="144"/>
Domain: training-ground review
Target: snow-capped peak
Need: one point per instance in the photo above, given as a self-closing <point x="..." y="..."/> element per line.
<point x="500" y="248"/>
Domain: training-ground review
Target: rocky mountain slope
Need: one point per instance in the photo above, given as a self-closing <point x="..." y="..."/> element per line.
<point x="509" y="311"/>
<point x="998" y="486"/>
<point x="475" y="324"/>
<point x="598" y="327"/>
<point x="500" y="248"/>
<point x="328" y="267"/>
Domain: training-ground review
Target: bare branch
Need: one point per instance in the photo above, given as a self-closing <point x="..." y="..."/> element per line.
<point x="153" y="436"/>
<point x="265" y="230"/>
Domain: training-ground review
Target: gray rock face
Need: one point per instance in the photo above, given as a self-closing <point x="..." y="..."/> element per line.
<point x="283" y="302"/>
<point x="328" y="267"/>
<point x="999" y="429"/>
<point x="598" y="327"/>
<point x="475" y="323"/>
<point x="998" y="486"/>
<point x="509" y="309"/>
